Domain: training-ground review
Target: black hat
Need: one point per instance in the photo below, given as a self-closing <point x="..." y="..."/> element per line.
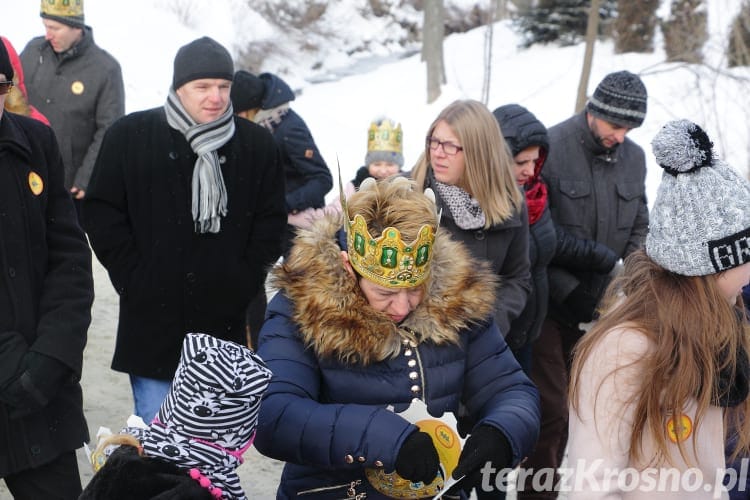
<point x="621" y="99"/>
<point x="6" y="67"/>
<point x="247" y="91"/>
<point x="202" y="58"/>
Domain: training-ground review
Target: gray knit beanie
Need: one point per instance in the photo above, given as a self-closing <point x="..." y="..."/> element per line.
<point x="619" y="98"/>
<point x="700" y="222"/>
<point x="202" y="58"/>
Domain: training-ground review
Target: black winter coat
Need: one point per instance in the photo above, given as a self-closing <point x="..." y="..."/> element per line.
<point x="172" y="280"/>
<point x="46" y="291"/>
<point x="521" y="130"/>
<point x="308" y="178"/>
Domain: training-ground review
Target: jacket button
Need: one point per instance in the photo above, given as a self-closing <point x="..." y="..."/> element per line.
<point x="172" y="155"/>
<point x="361" y="459"/>
<point x="190" y="277"/>
<point x="349" y="459"/>
<point x="479" y="235"/>
<point x="36" y="449"/>
<point x="415" y="389"/>
<point x="407" y="352"/>
<point x="413" y="375"/>
<point x="222" y="159"/>
<point x="378" y="463"/>
<point x="12" y="272"/>
<point x="412" y="363"/>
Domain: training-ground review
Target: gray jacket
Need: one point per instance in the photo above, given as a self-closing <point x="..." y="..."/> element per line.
<point x="594" y="193"/>
<point x="81" y="92"/>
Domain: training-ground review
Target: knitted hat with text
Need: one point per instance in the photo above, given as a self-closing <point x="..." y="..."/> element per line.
<point x="700" y="221"/>
<point x="620" y="98"/>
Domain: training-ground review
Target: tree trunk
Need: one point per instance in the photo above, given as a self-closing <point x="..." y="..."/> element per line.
<point x="432" y="47"/>
<point x="591" y="30"/>
<point x="635" y="25"/>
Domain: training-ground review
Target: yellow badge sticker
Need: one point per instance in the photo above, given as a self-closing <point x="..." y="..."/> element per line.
<point x="679" y="431"/>
<point x="77" y="87"/>
<point x="35" y="183"/>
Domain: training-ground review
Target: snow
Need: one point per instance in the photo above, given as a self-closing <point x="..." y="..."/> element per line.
<point x="340" y="94"/>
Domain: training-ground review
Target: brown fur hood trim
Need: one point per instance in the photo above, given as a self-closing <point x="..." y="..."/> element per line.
<point x="335" y="319"/>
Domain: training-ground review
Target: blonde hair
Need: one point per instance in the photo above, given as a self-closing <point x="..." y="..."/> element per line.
<point x="488" y="174"/>
<point x="393" y="202"/>
<point x="694" y="333"/>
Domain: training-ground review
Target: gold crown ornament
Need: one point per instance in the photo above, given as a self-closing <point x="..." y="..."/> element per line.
<point x="62" y="8"/>
<point x="385" y="137"/>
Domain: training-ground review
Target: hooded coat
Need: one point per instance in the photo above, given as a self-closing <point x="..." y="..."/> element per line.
<point x="338" y="364"/>
<point x="81" y="92"/>
<point x="46" y="292"/>
<point x="308" y="178"/>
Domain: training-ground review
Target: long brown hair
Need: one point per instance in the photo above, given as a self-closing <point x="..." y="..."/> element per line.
<point x="694" y="333"/>
<point x="488" y="175"/>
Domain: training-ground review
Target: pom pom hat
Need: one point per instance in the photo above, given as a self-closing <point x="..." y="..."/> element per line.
<point x="700" y="222"/>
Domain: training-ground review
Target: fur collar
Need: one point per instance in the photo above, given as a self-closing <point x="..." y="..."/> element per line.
<point x="335" y="319"/>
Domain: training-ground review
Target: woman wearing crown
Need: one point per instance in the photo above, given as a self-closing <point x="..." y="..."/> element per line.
<point x="369" y="317"/>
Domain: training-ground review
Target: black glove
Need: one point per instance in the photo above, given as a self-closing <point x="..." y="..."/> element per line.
<point x="486" y="444"/>
<point x="39" y="380"/>
<point x="581" y="304"/>
<point x="417" y="460"/>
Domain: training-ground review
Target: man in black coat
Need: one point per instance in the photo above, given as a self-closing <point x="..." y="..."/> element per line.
<point x="185" y="210"/>
<point x="46" y="292"/>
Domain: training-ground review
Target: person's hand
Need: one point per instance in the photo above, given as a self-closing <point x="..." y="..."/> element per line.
<point x="581" y="304"/>
<point x="39" y="380"/>
<point x="304" y="218"/>
<point x="485" y="444"/>
<point x="417" y="460"/>
<point x="77" y="193"/>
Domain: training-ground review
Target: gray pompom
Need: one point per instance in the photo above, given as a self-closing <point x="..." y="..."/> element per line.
<point x="682" y="146"/>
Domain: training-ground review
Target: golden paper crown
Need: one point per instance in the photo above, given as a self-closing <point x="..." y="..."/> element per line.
<point x="387" y="260"/>
<point x="63" y="8"/>
<point x="385" y="137"/>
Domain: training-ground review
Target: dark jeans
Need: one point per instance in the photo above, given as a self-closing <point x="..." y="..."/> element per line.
<point x="550" y="372"/>
<point x="56" y="480"/>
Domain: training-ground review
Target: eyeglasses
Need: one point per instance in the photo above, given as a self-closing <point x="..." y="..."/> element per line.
<point x="5" y="86"/>
<point x="448" y="147"/>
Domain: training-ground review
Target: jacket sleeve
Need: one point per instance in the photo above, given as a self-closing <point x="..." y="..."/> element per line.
<point x="294" y="425"/>
<point x="640" y="224"/>
<point x="308" y="164"/>
<point x="67" y="292"/>
<point x="109" y="107"/>
<point x="600" y="431"/>
<point x="105" y="214"/>
<point x="582" y="254"/>
<point x="515" y="276"/>
<point x="498" y="393"/>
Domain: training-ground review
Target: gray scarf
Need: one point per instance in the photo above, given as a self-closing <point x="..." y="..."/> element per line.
<point x="466" y="212"/>
<point x="209" y="192"/>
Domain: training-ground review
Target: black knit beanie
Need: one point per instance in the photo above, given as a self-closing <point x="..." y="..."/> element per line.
<point x="201" y="58"/>
<point x="247" y="91"/>
<point x="620" y="98"/>
<point x="6" y="67"/>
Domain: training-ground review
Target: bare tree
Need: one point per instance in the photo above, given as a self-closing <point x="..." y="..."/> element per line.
<point x="591" y="29"/>
<point x="686" y="31"/>
<point x="738" y="49"/>
<point x="432" y="47"/>
<point x="635" y="25"/>
<point x="496" y="11"/>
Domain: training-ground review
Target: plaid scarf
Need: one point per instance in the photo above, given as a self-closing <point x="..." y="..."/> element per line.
<point x="209" y="192"/>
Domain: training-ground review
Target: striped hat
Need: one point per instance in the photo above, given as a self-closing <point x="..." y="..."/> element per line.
<point x="620" y="98"/>
<point x="209" y="417"/>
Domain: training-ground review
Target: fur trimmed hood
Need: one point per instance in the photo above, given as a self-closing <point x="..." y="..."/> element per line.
<point x="335" y="319"/>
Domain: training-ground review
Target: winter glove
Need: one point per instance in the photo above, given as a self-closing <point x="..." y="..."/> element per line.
<point x="486" y="444"/>
<point x="417" y="460"/>
<point x="581" y="304"/>
<point x="40" y="379"/>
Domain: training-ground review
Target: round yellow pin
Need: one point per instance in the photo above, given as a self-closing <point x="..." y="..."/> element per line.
<point x="35" y="183"/>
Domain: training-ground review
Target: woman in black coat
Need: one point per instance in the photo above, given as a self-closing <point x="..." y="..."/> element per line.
<point x="46" y="292"/>
<point x="527" y="139"/>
